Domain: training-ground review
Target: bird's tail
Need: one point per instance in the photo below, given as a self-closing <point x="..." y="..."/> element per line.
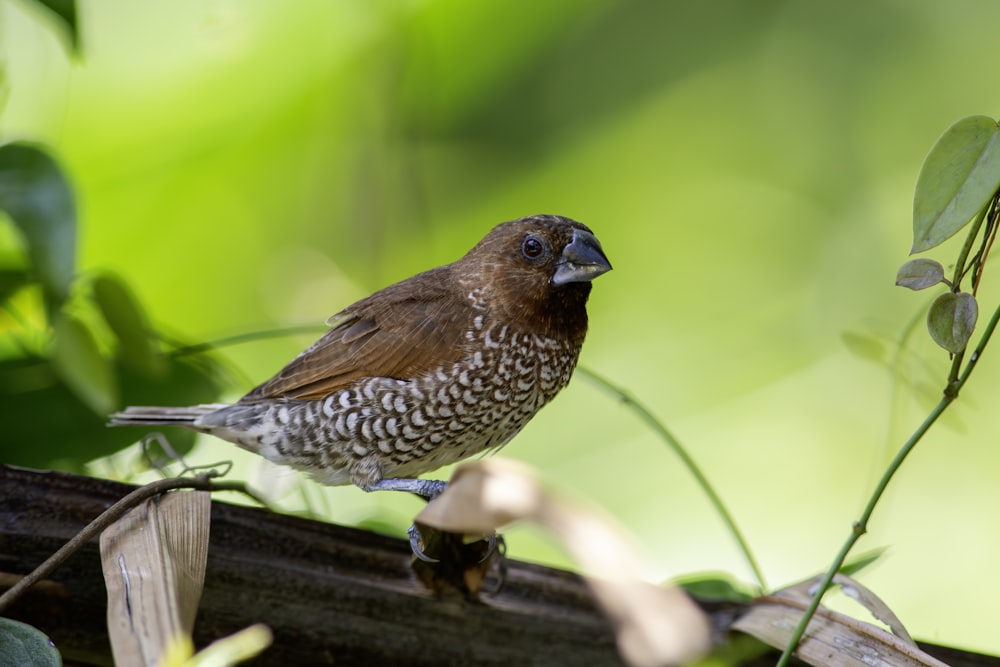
<point x="152" y="415"/>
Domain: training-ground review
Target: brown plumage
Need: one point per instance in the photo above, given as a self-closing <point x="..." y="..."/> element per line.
<point x="441" y="366"/>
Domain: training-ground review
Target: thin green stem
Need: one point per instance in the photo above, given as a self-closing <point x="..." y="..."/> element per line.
<point x="970" y="240"/>
<point x="989" y="236"/>
<point x="198" y="348"/>
<point x="861" y="525"/>
<point x="956" y="367"/>
<point x="688" y="462"/>
<point x="978" y="352"/>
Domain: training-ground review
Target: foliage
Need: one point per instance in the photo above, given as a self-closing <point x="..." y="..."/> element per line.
<point x="958" y="184"/>
<point x="23" y="645"/>
<point x="74" y="347"/>
<point x="960" y="178"/>
<point x="63" y="13"/>
<point x="751" y="173"/>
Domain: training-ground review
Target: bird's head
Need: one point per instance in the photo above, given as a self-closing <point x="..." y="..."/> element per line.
<point x="535" y="272"/>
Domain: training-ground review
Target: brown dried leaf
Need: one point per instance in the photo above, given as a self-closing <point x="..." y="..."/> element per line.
<point x="154" y="561"/>
<point x="655" y="625"/>
<point x="873" y="603"/>
<point x="484" y="496"/>
<point x="833" y="639"/>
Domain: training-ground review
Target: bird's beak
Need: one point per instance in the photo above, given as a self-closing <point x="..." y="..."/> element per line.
<point x="582" y="260"/>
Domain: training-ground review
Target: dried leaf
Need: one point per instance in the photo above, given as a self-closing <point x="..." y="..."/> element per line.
<point x="833" y="639"/>
<point x="483" y="497"/>
<point x="655" y="625"/>
<point x="873" y="603"/>
<point x="154" y="562"/>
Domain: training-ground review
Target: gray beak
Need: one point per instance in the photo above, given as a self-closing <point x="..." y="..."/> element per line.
<point x="582" y="260"/>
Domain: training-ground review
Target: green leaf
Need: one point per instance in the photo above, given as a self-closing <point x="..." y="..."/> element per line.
<point x="11" y="280"/>
<point x="137" y="348"/>
<point x="38" y="199"/>
<point x="918" y="274"/>
<point x="717" y="587"/>
<point x="958" y="178"/>
<point x="78" y="361"/>
<point x="34" y="438"/>
<point x="951" y="320"/>
<point x="23" y="645"/>
<point x="862" y="561"/>
<point x="65" y="12"/>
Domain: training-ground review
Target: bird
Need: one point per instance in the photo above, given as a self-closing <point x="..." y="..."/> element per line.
<point x="447" y="364"/>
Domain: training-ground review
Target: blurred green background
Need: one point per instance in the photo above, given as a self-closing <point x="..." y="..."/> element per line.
<point x="748" y="167"/>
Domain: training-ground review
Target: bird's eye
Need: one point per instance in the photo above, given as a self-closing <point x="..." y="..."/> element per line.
<point x="532" y="247"/>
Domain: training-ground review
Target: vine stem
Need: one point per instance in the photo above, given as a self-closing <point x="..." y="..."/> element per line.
<point x="860" y="527"/>
<point x="970" y="240"/>
<point x="688" y="462"/>
<point x="198" y="348"/>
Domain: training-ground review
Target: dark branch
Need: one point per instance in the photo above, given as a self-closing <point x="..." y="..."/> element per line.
<point x="330" y="594"/>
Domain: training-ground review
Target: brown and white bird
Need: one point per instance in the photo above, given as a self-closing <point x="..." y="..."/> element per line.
<point x="439" y="367"/>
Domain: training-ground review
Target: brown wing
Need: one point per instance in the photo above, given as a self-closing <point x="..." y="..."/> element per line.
<point x="402" y="331"/>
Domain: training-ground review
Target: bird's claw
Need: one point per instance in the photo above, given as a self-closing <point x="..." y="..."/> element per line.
<point x="490" y="547"/>
<point x="499" y="545"/>
<point x="417" y="547"/>
<point x="496" y="544"/>
<point x="430" y="489"/>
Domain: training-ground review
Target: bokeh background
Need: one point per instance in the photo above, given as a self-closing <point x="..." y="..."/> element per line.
<point x="748" y="167"/>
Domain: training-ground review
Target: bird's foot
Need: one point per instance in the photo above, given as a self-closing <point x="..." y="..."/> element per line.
<point x="428" y="489"/>
<point x="495" y="544"/>
<point x="446" y="563"/>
